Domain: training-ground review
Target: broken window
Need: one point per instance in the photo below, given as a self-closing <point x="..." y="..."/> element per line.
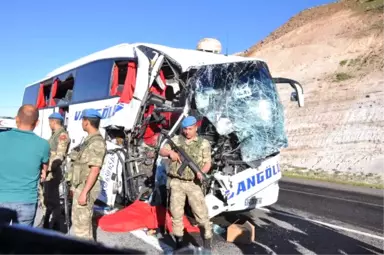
<point x="120" y="70"/>
<point x="44" y="94"/>
<point x="123" y="80"/>
<point x="241" y="98"/>
<point x="129" y="85"/>
<point x="47" y="92"/>
<point x="62" y="91"/>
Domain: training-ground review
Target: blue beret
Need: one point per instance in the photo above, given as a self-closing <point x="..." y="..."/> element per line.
<point x="91" y="113"/>
<point x="188" y="121"/>
<point x="56" y="115"/>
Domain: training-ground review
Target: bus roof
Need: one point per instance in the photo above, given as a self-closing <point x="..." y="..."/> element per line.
<point x="186" y="58"/>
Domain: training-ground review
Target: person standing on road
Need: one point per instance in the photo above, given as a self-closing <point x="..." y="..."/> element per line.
<point x="23" y="161"/>
<point x="87" y="160"/>
<point x="58" y="142"/>
<point x="187" y="185"/>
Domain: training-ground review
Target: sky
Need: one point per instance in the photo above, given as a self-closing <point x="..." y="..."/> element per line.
<point x="37" y="36"/>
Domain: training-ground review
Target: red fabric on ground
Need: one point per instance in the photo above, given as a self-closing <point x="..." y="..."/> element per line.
<point x="140" y="215"/>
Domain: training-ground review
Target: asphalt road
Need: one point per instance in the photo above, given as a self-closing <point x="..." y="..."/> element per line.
<point x="309" y="218"/>
<point x="352" y="206"/>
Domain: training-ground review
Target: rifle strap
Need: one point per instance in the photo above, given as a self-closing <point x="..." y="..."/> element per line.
<point x="89" y="142"/>
<point x="183" y="140"/>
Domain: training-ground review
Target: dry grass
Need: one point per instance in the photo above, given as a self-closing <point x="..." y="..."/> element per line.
<point x="342" y="77"/>
<point x="370" y="5"/>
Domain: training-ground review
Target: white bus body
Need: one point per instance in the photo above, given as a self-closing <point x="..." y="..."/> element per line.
<point x="7" y="123"/>
<point x="119" y="82"/>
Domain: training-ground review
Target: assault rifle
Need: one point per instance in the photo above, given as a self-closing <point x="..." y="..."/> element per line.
<point x="185" y="158"/>
<point x="66" y="198"/>
<point x="66" y="192"/>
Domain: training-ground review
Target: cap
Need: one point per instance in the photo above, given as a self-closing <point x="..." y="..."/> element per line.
<point x="91" y="113"/>
<point x="56" y="115"/>
<point x="188" y="121"/>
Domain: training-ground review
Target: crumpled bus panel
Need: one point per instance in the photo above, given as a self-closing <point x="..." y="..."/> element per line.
<point x="241" y="98"/>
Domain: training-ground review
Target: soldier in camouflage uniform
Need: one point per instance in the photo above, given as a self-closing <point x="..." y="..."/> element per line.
<point x="187" y="185"/>
<point x="58" y="143"/>
<point x="86" y="162"/>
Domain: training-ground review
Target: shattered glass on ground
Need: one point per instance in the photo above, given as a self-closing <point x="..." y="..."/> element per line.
<point x="241" y="98"/>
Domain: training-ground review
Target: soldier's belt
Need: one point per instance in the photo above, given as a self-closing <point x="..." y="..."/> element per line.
<point x="180" y="178"/>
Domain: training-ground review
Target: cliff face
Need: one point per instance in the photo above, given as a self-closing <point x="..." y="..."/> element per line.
<point x="336" y="52"/>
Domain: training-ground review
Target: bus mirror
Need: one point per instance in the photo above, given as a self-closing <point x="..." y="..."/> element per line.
<point x="298" y="94"/>
<point x="294" y="97"/>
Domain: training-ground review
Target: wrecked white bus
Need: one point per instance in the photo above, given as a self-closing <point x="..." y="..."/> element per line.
<point x="144" y="90"/>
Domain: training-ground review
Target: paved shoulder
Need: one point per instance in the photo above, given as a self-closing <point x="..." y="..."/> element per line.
<point x="334" y="186"/>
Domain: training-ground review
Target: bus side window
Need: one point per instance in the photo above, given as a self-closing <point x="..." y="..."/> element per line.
<point x="92" y="81"/>
<point x="62" y="91"/>
<point x="30" y="94"/>
<point x="44" y="94"/>
<point x="119" y="77"/>
<point x="47" y="92"/>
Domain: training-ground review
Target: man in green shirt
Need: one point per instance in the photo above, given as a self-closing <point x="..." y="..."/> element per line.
<point x="23" y="162"/>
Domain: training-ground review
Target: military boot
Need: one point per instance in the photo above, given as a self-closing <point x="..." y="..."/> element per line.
<point x="207" y="244"/>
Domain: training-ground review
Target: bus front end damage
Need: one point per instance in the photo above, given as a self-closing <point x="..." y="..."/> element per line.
<point x="239" y="112"/>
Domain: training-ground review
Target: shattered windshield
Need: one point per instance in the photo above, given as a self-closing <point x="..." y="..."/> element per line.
<point x="241" y="98"/>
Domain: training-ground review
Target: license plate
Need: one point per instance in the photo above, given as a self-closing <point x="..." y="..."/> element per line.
<point x="252" y="201"/>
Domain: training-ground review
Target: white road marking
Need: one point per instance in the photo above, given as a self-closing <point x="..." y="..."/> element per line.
<point x="301" y="249"/>
<point x="326" y="224"/>
<point x="153" y="241"/>
<point x="268" y="250"/>
<point x="282" y="224"/>
<point x="342" y="199"/>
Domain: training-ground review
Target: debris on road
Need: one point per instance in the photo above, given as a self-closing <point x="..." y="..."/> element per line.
<point x="218" y="230"/>
<point x="241" y="233"/>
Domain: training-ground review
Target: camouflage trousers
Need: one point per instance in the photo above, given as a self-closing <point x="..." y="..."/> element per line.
<point x="41" y="203"/>
<point x="180" y="190"/>
<point x="82" y="214"/>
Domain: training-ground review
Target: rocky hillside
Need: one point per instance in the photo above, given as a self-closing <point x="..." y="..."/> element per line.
<point x="336" y="52"/>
